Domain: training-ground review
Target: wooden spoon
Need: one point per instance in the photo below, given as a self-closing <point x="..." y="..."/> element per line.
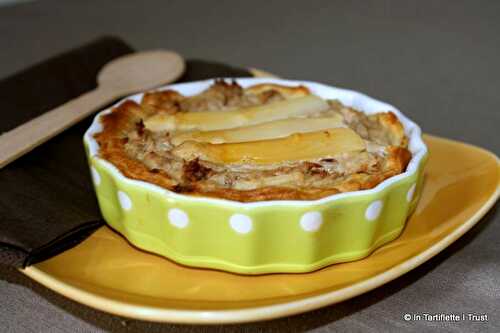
<point x="120" y="77"/>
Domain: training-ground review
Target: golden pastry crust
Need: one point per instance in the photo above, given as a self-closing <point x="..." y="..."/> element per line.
<point x="144" y="155"/>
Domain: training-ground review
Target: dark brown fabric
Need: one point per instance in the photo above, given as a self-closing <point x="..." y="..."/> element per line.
<point x="47" y="203"/>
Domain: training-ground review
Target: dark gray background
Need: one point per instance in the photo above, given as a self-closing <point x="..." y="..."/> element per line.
<point x="437" y="61"/>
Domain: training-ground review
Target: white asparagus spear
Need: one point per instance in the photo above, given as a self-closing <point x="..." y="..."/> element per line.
<point x="265" y="131"/>
<point x="217" y="120"/>
<point x="296" y="147"/>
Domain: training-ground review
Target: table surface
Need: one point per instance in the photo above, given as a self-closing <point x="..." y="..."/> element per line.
<point x="436" y="61"/>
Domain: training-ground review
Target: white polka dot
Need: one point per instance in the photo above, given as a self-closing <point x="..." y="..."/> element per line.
<point x="96" y="177"/>
<point x="125" y="201"/>
<point x="311" y="221"/>
<point x="411" y="192"/>
<point x="241" y="223"/>
<point x="374" y="210"/>
<point x="178" y="218"/>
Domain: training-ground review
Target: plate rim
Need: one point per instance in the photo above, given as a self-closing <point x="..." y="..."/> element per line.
<point x="265" y="312"/>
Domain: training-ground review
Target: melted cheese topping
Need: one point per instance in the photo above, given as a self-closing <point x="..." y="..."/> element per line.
<point x="296" y="147"/>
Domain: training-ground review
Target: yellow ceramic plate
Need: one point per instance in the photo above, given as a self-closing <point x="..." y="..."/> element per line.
<point x="107" y="273"/>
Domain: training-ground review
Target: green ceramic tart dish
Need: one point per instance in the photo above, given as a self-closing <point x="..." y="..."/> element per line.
<point x="267" y="236"/>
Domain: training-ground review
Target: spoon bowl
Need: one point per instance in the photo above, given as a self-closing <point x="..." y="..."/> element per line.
<point x="141" y="71"/>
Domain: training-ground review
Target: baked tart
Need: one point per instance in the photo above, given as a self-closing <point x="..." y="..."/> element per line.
<point x="262" y="142"/>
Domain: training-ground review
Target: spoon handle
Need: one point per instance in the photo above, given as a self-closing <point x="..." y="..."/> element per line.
<point x="24" y="138"/>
